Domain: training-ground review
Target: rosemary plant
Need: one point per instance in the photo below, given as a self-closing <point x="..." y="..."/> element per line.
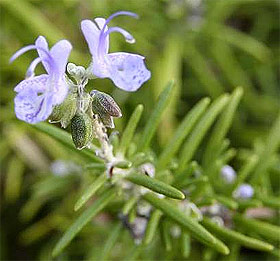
<point x="184" y="200"/>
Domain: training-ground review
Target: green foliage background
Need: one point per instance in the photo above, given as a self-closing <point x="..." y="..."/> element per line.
<point x="207" y="50"/>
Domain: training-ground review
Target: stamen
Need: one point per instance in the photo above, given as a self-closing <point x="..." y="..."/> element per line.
<point x="22" y="51"/>
<point x="102" y="35"/>
<point x="32" y="47"/>
<point x="128" y="37"/>
<point x="32" y="66"/>
<point x="118" y="14"/>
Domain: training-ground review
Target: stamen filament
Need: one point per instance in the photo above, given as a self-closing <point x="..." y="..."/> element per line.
<point x="32" y="47"/>
<point x="128" y="37"/>
<point x="32" y="66"/>
<point x="22" y="51"/>
<point x="102" y="35"/>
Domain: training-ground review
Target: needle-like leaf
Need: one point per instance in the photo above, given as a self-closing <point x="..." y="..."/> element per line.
<point x="156" y="185"/>
<point x="83" y="219"/>
<point x="200" y="130"/>
<point x="198" y="231"/>
<point x="236" y="236"/>
<point x="267" y="230"/>
<point x="221" y="128"/>
<point x="65" y="138"/>
<point x="152" y="227"/>
<point x="181" y="133"/>
<point x="111" y="241"/>
<point x="272" y="144"/>
<point x="155" y="117"/>
<point x="130" y="129"/>
<point x="99" y="182"/>
<point x="186" y="244"/>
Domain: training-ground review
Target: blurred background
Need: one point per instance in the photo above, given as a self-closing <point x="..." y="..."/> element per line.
<point x="208" y="47"/>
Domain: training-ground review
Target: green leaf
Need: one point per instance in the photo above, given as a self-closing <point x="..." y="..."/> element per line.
<point x="65" y="138"/>
<point x="221" y="128"/>
<point x="186" y="244"/>
<point x="249" y="203"/>
<point x="271" y="146"/>
<point x="98" y="183"/>
<point x="245" y="171"/>
<point x="165" y="235"/>
<point x="123" y="164"/>
<point x="14" y="177"/>
<point x="273" y="202"/>
<point x="228" y="202"/>
<point x="133" y="253"/>
<point x="129" y="204"/>
<point x="155" y="185"/>
<point x="198" y="231"/>
<point x="264" y="229"/>
<point x="183" y="183"/>
<point x="52" y="186"/>
<point x="276" y="252"/>
<point x="209" y="254"/>
<point x="239" y="39"/>
<point x="130" y="129"/>
<point x="191" y="168"/>
<point x="95" y="166"/>
<point x="181" y="133"/>
<point x="201" y="68"/>
<point x="200" y="131"/>
<point x="83" y="219"/>
<point x="111" y="241"/>
<point x="155" y="117"/>
<point x="236" y="236"/>
<point x="152" y="227"/>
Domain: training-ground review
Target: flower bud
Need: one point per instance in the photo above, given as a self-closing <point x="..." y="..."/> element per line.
<point x="228" y="174"/>
<point x="244" y="191"/>
<point x="105" y="104"/>
<point x="81" y="130"/>
<point x="80" y="72"/>
<point x="71" y="68"/>
<point x="77" y="72"/>
<point x="107" y="120"/>
<point x="65" y="111"/>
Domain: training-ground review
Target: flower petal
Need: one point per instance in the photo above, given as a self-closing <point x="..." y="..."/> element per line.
<point x="42" y="44"/>
<point x="32" y="107"/>
<point x="91" y="33"/>
<point x="37" y="83"/>
<point x="127" y="71"/>
<point x="60" y="53"/>
<point x="59" y="90"/>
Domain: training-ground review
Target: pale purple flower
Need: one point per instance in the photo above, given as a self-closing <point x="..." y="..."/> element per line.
<point x="37" y="95"/>
<point x="228" y="174"/>
<point x="126" y="70"/>
<point x="244" y="191"/>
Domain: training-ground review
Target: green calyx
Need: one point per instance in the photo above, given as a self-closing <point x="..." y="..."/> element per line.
<point x="65" y="111"/>
<point x="81" y="130"/>
<point x="105" y="107"/>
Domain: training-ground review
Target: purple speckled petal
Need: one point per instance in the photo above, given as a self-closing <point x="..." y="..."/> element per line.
<point x="42" y="49"/>
<point x="127" y="71"/>
<point x="91" y="33"/>
<point x="38" y="83"/>
<point x="33" y="106"/>
<point x="60" y="53"/>
<point x="36" y="96"/>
